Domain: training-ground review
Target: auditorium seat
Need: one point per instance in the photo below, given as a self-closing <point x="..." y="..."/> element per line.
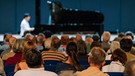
<point x="107" y="62"/>
<point x="50" y="65"/>
<point x="9" y="68"/>
<point x="84" y="63"/>
<point x="11" y="74"/>
<point x="115" y="73"/>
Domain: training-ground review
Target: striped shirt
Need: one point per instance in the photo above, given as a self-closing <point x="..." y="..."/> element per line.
<point x="53" y="55"/>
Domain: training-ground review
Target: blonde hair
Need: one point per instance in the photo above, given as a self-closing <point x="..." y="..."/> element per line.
<point x="47" y="43"/>
<point x="114" y="45"/>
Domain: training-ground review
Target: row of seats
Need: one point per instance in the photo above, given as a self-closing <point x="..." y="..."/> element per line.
<point x="50" y="65"/>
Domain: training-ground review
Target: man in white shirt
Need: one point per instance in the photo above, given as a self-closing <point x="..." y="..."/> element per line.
<point x="25" y="25"/>
<point x="35" y="65"/>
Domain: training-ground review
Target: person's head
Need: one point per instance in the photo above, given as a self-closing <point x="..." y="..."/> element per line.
<point x="11" y="41"/>
<point x="121" y="35"/>
<point x="106" y="36"/>
<point x="72" y="51"/>
<point x="27" y="46"/>
<point x="97" y="56"/>
<point x="26" y="16"/>
<point x="47" y="43"/>
<point x="34" y="58"/>
<point x="55" y="42"/>
<point x="30" y="37"/>
<point x="18" y="45"/>
<point x="7" y="36"/>
<point x="81" y="47"/>
<point x="114" y="45"/>
<point x="126" y="44"/>
<point x="40" y="38"/>
<point x="64" y="39"/>
<point x="95" y="44"/>
<point x="78" y="37"/>
<point x="119" y="55"/>
<point x="55" y="39"/>
<point x="117" y="39"/>
<point x="130" y="68"/>
<point x="88" y="39"/>
<point x="25" y="33"/>
<point x="129" y="33"/>
<point x="47" y="33"/>
<point x="95" y="37"/>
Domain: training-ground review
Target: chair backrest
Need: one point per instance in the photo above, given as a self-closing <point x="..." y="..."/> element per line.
<point x="107" y="62"/>
<point x="11" y="74"/>
<point x="51" y="62"/>
<point x="9" y="68"/>
<point x="115" y="73"/>
<point x="84" y="63"/>
<point x="50" y="65"/>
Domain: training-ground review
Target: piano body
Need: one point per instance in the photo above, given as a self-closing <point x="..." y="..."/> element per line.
<point x="72" y="21"/>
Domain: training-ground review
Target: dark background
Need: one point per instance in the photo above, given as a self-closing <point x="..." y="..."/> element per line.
<point x="119" y="14"/>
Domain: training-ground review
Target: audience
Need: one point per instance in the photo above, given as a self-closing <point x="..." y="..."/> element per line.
<point x="96" y="44"/>
<point x="52" y="53"/>
<point x="72" y="62"/>
<point x="28" y="54"/>
<point x="55" y="42"/>
<point x="78" y="37"/>
<point x="95" y="37"/>
<point x="114" y="45"/>
<point x="40" y="41"/>
<point x="118" y="59"/>
<point x="35" y="64"/>
<point x="130" y="68"/>
<point x="2" y="72"/>
<point x="22" y="64"/>
<point x="18" y="46"/>
<point x="5" y="45"/>
<point x="88" y="41"/>
<point x="126" y="44"/>
<point x="106" y="38"/>
<point x="82" y="50"/>
<point x="96" y="60"/>
<point x="64" y="41"/>
<point x="6" y="54"/>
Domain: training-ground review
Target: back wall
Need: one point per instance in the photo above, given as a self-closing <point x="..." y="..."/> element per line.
<point x="119" y="14"/>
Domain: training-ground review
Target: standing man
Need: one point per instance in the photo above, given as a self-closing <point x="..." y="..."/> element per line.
<point x="25" y="25"/>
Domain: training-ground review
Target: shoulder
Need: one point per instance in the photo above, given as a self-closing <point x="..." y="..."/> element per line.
<point x="48" y="73"/>
<point x="105" y="68"/>
<point x="20" y="73"/>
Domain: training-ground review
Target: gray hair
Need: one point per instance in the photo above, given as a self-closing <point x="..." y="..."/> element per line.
<point x="97" y="55"/>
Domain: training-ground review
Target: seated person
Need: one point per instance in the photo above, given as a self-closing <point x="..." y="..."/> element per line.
<point x="82" y="50"/>
<point x="2" y="72"/>
<point x="96" y="60"/>
<point x="72" y="62"/>
<point x="106" y="38"/>
<point x="52" y="53"/>
<point x="113" y="46"/>
<point x="22" y="64"/>
<point x="130" y="68"/>
<point x="35" y="64"/>
<point x="118" y="59"/>
<point x="18" y="46"/>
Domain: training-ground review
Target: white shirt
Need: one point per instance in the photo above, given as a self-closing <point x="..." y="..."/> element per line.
<point x="25" y="27"/>
<point x="35" y="72"/>
<point x="113" y="67"/>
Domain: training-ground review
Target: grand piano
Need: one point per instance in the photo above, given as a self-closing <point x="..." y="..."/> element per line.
<point x="72" y="20"/>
